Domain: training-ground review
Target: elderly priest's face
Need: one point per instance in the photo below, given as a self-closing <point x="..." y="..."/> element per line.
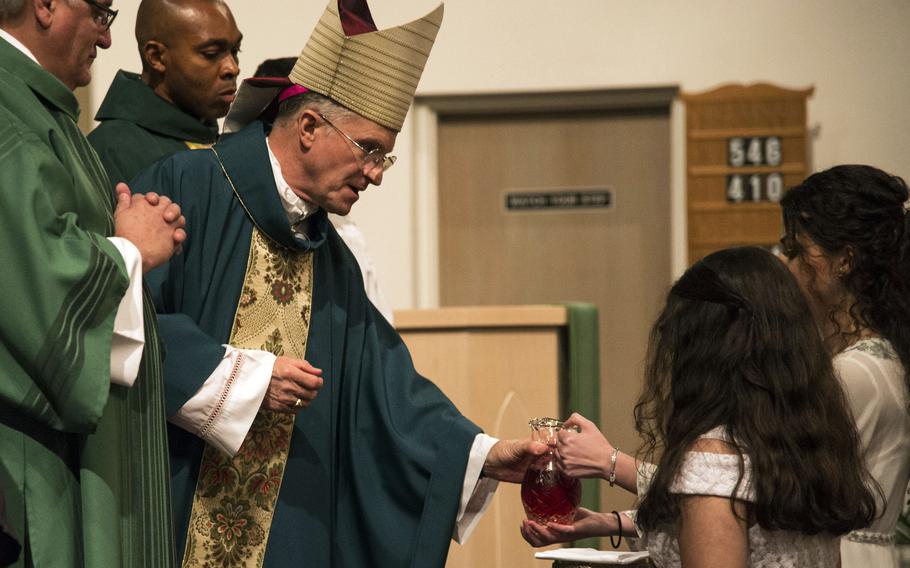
<point x="337" y="168"/>
<point x="76" y="29"/>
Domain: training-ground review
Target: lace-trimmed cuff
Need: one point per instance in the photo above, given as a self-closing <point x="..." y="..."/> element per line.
<point x="868" y="537"/>
<point x="223" y="410"/>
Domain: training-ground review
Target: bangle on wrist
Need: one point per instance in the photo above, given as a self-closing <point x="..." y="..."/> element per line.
<point x="619" y="525"/>
<point x="612" y="477"/>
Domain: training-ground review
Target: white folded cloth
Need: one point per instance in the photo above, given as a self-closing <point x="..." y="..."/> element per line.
<point x="592" y="555"/>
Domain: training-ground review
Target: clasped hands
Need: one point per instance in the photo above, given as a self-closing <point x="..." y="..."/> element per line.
<point x="152" y="222"/>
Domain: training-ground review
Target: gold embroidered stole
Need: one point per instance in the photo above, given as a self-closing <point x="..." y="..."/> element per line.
<point x="235" y="498"/>
<point x="197" y="145"/>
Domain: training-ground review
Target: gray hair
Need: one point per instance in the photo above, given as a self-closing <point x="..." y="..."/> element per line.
<point x="291" y="107"/>
<point x="9" y="9"/>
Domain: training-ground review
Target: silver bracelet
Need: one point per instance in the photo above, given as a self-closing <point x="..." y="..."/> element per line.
<point x="612" y="478"/>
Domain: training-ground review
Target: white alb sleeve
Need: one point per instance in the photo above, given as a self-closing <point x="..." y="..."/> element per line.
<point x="476" y="492"/>
<point x="224" y="408"/>
<point x="128" y="340"/>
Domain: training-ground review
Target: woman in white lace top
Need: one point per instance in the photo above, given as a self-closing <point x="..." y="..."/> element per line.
<point x="847" y="240"/>
<point x="756" y="457"/>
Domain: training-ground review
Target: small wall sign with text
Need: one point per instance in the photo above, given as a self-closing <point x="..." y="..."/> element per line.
<point x="601" y="198"/>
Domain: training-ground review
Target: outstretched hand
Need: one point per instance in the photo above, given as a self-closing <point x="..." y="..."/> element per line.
<point x="585" y="453"/>
<point x="587" y="523"/>
<point x="509" y="459"/>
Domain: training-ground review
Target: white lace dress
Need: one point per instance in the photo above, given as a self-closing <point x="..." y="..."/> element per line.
<point x="704" y="473"/>
<point x="873" y="379"/>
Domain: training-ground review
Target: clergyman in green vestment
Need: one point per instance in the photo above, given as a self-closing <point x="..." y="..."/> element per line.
<point x="83" y="456"/>
<point x="189" y="77"/>
<point x="301" y="434"/>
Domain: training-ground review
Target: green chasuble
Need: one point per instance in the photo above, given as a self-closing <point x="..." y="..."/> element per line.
<point x="138" y="127"/>
<point x="83" y="463"/>
<point x="376" y="463"/>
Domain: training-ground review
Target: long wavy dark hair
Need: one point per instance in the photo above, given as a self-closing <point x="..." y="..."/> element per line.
<point x="736" y="346"/>
<point x="859" y="211"/>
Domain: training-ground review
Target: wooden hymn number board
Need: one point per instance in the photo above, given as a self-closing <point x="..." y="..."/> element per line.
<point x="745" y="145"/>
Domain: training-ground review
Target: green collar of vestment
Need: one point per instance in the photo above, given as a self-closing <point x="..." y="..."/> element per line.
<point x="132" y="100"/>
<point x="245" y="159"/>
<point x="39" y="80"/>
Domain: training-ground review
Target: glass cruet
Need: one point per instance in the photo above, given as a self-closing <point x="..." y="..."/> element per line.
<point x="549" y="495"/>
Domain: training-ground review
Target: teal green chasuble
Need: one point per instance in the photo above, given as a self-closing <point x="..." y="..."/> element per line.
<point x="138" y="127"/>
<point x="83" y="463"/>
<point x="376" y="463"/>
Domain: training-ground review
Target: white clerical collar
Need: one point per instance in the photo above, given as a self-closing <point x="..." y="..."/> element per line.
<point x="295" y="207"/>
<point x="18" y="45"/>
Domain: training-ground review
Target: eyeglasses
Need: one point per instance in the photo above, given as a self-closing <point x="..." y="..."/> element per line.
<point x="103" y="15"/>
<point x="374" y="158"/>
<point x="790" y="247"/>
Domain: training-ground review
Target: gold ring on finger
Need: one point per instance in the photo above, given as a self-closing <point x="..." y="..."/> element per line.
<point x="298" y="403"/>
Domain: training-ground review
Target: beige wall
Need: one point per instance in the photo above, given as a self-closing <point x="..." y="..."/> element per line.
<point x="855" y="53"/>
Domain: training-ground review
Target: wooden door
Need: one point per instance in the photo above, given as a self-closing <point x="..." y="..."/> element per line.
<point x="617" y="258"/>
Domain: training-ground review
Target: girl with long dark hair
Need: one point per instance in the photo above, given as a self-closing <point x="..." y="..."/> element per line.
<point x="847" y="240"/>
<point x="750" y="456"/>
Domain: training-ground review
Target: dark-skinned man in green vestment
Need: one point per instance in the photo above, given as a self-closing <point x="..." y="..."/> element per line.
<point x="189" y="51"/>
<point x="300" y="434"/>
<point x="83" y="454"/>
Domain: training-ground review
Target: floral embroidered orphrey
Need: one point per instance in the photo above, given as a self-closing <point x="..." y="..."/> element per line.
<point x="235" y="497"/>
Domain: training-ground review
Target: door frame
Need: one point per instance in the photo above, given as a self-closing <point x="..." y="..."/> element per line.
<point x="428" y="109"/>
